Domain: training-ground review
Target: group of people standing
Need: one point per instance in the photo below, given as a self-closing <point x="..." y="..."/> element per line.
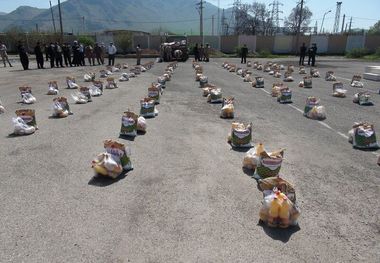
<point x="311" y="52"/>
<point x="201" y="53"/>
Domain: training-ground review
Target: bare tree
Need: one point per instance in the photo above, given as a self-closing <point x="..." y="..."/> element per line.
<point x="291" y="22"/>
<point x="252" y="19"/>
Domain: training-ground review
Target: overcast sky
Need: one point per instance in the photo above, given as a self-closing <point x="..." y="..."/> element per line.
<point x="365" y="13"/>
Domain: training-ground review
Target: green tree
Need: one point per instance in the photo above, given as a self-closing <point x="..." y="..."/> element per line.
<point x="86" y="40"/>
<point x="375" y="29"/>
<point x="123" y="41"/>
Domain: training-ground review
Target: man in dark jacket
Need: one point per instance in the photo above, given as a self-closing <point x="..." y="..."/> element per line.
<point x="302" y="54"/>
<point x="99" y="54"/>
<point x="66" y="50"/>
<point x="196" y="52"/>
<point x="244" y="53"/>
<point x="51" y="53"/>
<point x="23" y="55"/>
<point x="313" y="54"/>
<point x="76" y="59"/>
<point x="39" y="55"/>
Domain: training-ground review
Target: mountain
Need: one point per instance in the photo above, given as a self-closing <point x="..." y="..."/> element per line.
<point x="2" y="13"/>
<point x="22" y="17"/>
<point x="178" y="16"/>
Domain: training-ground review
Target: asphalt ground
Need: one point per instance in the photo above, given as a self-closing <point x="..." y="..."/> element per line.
<point x="187" y="199"/>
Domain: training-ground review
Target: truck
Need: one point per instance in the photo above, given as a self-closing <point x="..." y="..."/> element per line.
<point x="174" y="48"/>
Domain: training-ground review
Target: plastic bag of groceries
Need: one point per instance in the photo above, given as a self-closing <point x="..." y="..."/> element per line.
<point x="148" y="108"/>
<point x="141" y="124"/>
<point x="79" y="97"/>
<point x="25" y="122"/>
<point x="363" y="136"/>
<point x="363" y="98"/>
<point x="277" y="74"/>
<point x="26" y="95"/>
<point x="95" y="91"/>
<point x="307" y="82"/>
<point x="71" y="84"/>
<point x="203" y="80"/>
<point x="248" y="78"/>
<point x="302" y="70"/>
<point x="103" y="73"/>
<point x="276" y="88"/>
<point x="61" y="108"/>
<point x="267" y="185"/>
<point x="330" y="76"/>
<point x="129" y="124"/>
<point x="285" y="95"/>
<point x="290" y="68"/>
<point x="249" y="64"/>
<point x="154" y="93"/>
<point x="356" y="81"/>
<point x="98" y="84"/>
<point x="207" y="89"/>
<point x="314" y="73"/>
<point x="2" y="109"/>
<point x="227" y="110"/>
<point x="161" y="80"/>
<point x="124" y="77"/>
<point x="259" y="82"/>
<point x="86" y="92"/>
<point x="113" y="161"/>
<point x="53" y="88"/>
<point x="239" y="71"/>
<point x="111" y="84"/>
<point x="240" y="135"/>
<point x="278" y="210"/>
<point x="338" y="90"/>
<point x="288" y="76"/>
<point x="88" y="77"/>
<point x="264" y="164"/>
<point x="313" y="110"/>
<point x="215" y="96"/>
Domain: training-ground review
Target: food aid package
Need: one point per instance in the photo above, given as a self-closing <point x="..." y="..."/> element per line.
<point x="113" y="161"/>
<point x="25" y="122"/>
<point x="285" y="95"/>
<point x="148" y="108"/>
<point x="278" y="210"/>
<point x="154" y="93"/>
<point x="276" y="87"/>
<point x="314" y="73"/>
<point x="302" y="70"/>
<point x="129" y="124"/>
<point x="162" y="81"/>
<point x="124" y="77"/>
<point x="86" y="92"/>
<point x="227" y="110"/>
<point x="111" y="84"/>
<point x="95" y="91"/>
<point x="356" y="81"/>
<point x="264" y="164"/>
<point x="215" y="96"/>
<point x="53" y="88"/>
<point x="2" y="109"/>
<point x="207" y="89"/>
<point x="259" y="82"/>
<point x="363" y="136"/>
<point x="330" y="76"/>
<point x="267" y="185"/>
<point x="104" y="73"/>
<point x="61" y="108"/>
<point x="79" y="97"/>
<point x="88" y="77"/>
<point x="313" y="110"/>
<point x="240" y="135"/>
<point x="288" y="76"/>
<point x="338" y="90"/>
<point x="363" y="98"/>
<point x="26" y="95"/>
<point x="203" y="80"/>
<point x="71" y="84"/>
<point x="141" y="124"/>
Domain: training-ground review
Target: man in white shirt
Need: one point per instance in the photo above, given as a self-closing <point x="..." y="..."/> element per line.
<point x="111" y="54"/>
<point x="4" y="55"/>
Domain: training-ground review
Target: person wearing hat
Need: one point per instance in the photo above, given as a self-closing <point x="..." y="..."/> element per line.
<point x="111" y="54"/>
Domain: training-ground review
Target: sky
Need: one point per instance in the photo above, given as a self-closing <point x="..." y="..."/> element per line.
<point x="364" y="13"/>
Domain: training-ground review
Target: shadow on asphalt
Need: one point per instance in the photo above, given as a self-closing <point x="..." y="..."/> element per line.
<point x="103" y="181"/>
<point x="281" y="234"/>
<point x="128" y="138"/>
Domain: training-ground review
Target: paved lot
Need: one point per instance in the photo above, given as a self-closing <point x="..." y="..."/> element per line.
<point x="187" y="200"/>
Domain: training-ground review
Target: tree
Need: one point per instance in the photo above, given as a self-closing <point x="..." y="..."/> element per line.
<point x="252" y="19"/>
<point x="291" y="22"/>
<point x="375" y="29"/>
<point x="123" y="41"/>
<point x="262" y="19"/>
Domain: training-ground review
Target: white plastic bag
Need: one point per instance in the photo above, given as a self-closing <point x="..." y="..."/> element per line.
<point x="21" y="128"/>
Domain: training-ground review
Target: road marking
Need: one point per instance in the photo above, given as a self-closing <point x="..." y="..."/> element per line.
<point x="267" y="92"/>
<point x="294" y="107"/>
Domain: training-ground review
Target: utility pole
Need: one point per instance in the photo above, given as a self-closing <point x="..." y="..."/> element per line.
<point x="275" y="19"/>
<point x="200" y="10"/>
<point x="337" y="17"/>
<point x="299" y="27"/>
<point x="52" y="17"/>
<point x="349" y="27"/>
<point x="83" y="28"/>
<point x="218" y="20"/>
<point x="344" y="18"/>
<point x="60" y="19"/>
<point x="212" y="25"/>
